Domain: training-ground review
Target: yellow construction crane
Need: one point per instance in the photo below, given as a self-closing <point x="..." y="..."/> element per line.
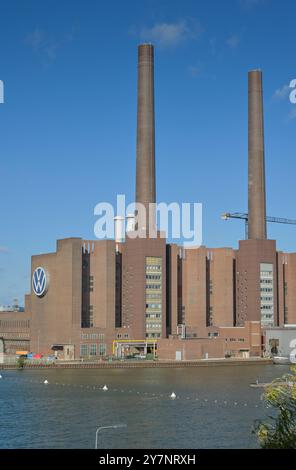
<point x="244" y="216"/>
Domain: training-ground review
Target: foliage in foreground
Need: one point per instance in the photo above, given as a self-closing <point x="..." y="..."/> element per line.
<point x="20" y="362"/>
<point x="280" y="431"/>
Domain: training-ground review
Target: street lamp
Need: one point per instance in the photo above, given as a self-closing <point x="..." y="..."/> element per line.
<point x="115" y="426"/>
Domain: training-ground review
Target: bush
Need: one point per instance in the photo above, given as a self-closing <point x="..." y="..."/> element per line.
<point x="280" y="431"/>
<point x="20" y="362"/>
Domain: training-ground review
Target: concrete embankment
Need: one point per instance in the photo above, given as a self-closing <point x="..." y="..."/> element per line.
<point x="142" y="364"/>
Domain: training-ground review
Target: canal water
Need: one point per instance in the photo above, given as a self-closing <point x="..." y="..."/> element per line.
<point x="214" y="407"/>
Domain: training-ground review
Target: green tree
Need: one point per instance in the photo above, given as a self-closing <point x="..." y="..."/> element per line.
<point x="20" y="362"/>
<point x="279" y="432"/>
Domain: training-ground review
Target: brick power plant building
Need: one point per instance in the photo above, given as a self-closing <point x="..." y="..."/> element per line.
<point x="92" y="299"/>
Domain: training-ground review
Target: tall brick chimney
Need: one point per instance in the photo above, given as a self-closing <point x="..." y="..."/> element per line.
<point x="256" y="186"/>
<point x="145" y="172"/>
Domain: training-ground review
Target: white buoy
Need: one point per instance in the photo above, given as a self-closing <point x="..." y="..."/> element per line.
<point x="45" y="381"/>
<point x="105" y="388"/>
<point x="173" y="396"/>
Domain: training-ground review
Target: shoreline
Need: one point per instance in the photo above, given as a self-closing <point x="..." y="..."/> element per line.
<point x="143" y="364"/>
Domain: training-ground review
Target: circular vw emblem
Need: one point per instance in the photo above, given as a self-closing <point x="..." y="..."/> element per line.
<point x="40" y="281"/>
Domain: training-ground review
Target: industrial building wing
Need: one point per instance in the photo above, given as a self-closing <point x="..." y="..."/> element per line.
<point x="96" y="298"/>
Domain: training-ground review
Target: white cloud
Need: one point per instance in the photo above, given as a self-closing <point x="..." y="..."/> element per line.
<point x="194" y="71"/>
<point x="233" y="41"/>
<point x="35" y="39"/>
<point x="282" y="93"/>
<point x="171" y="34"/>
<point x="45" y="45"/>
<point x="42" y="44"/>
<point x="292" y="114"/>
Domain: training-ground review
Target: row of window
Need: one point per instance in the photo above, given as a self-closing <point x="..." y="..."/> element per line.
<point x="153" y="273"/>
<point x="153" y="335"/>
<point x="125" y="336"/>
<point x="153" y="326"/>
<point x="87" y="321"/>
<point x="12" y="334"/>
<point x="266" y="307"/>
<point x="241" y="340"/>
<point x="16" y="344"/>
<point x="151" y="267"/>
<point x="14" y="323"/>
<point x="92" y="349"/>
<point x="266" y="273"/>
<point x="157" y="295"/>
<point x="153" y="305"/>
<point x="93" y="336"/>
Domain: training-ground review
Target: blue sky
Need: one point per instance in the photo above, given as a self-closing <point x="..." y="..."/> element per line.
<point x="68" y="124"/>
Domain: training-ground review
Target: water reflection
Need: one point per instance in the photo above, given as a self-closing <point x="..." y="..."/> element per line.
<point x="214" y="407"/>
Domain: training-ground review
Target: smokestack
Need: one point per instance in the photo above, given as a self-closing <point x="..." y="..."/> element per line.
<point x="145" y="174"/>
<point x="119" y="229"/>
<point x="257" y="196"/>
<point x="130" y="222"/>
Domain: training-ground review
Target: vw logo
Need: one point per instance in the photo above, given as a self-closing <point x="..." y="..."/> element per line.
<point x="39" y="282"/>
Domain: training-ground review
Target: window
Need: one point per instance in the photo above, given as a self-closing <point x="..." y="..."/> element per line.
<point x="153" y="295"/>
<point x="92" y="349"/>
<point x="267" y="294"/>
<point x="211" y="287"/>
<point x="102" y="349"/>
<point x="83" y="350"/>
